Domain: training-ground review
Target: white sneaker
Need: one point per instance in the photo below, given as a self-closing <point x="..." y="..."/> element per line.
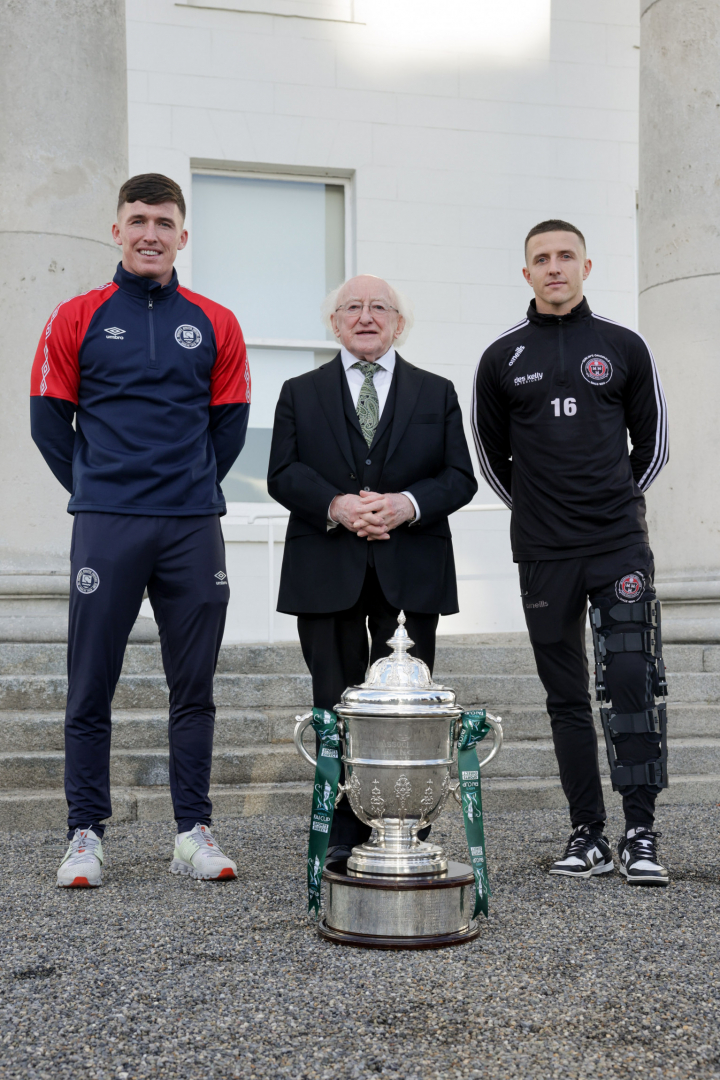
<point x="198" y="854"/>
<point x="639" y="862"/>
<point x="587" y="853"/>
<point x="82" y="866"/>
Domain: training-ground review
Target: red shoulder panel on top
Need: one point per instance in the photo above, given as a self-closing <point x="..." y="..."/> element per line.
<point x="230" y="381"/>
<point x="55" y="370"/>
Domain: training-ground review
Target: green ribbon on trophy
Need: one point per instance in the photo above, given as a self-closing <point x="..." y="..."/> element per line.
<point x="327" y="778"/>
<point x="474" y="728"/>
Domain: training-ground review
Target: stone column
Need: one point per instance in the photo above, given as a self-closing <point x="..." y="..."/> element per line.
<point x="679" y="238"/>
<point x="63" y="132"/>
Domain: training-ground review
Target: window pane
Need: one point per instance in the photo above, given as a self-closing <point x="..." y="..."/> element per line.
<point x="247" y="480"/>
<point x="270" y="250"/>
<point x="259" y="248"/>
<point x="269" y="368"/>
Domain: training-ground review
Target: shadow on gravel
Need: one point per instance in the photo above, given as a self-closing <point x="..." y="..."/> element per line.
<point x="709" y="877"/>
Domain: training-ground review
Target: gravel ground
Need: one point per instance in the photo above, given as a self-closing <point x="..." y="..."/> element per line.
<point x="158" y="976"/>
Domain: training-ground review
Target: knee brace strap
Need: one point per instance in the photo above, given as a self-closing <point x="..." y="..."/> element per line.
<point x="638" y="641"/>
<point x="650" y="721"/>
<point x="652" y="774"/>
<point x="642" y="611"/>
<point x="648" y="641"/>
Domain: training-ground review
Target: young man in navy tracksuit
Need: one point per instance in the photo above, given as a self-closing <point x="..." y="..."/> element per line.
<point x="157" y="381"/>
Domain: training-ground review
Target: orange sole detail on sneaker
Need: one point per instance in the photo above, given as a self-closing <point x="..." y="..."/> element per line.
<point x="226" y="873"/>
<point x="80" y="883"/>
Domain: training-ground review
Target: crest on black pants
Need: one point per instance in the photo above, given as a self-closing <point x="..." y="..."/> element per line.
<point x="630" y="588"/>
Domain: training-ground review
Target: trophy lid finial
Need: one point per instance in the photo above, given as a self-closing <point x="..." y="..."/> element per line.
<point x="401" y="641"/>
<point x="399" y="668"/>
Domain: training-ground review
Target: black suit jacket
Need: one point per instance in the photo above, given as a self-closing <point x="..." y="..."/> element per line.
<point x="311" y="461"/>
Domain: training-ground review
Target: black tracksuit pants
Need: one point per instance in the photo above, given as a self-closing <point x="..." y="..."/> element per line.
<point x="181" y="561"/>
<point x="336" y="650"/>
<point x="554" y="595"/>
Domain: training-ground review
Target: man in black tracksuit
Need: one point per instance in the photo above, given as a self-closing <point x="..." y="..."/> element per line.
<point x="555" y="399"/>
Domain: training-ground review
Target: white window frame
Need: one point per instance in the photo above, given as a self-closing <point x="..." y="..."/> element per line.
<point x="239" y="512"/>
<point x="340" y="178"/>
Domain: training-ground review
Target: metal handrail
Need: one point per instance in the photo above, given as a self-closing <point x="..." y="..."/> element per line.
<point x="272" y="514"/>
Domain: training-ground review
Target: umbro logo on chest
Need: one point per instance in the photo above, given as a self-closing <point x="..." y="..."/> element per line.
<point x="114" y="333"/>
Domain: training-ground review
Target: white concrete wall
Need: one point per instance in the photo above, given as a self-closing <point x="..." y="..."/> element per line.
<point x="464" y="123"/>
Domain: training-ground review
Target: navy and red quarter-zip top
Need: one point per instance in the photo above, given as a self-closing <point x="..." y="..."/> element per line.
<point x="554" y="401"/>
<point x="159" y="379"/>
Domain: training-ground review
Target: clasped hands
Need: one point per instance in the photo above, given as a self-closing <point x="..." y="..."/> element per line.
<point x="372" y="515"/>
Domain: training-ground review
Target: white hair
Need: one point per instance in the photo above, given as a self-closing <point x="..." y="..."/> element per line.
<point x="402" y="303"/>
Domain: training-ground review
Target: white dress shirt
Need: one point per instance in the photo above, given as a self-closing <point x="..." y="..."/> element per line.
<point x="382" y="379"/>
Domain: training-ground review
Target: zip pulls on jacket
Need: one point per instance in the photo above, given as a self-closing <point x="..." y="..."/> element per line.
<point x="152" y="362"/>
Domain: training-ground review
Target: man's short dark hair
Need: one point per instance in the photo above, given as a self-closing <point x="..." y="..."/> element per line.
<point x="554" y="225"/>
<point x="151" y="188"/>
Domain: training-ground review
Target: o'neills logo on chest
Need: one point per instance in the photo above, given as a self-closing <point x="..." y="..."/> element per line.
<point x="596" y="369"/>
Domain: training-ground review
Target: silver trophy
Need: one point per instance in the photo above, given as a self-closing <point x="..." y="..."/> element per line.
<point x="399" y="730"/>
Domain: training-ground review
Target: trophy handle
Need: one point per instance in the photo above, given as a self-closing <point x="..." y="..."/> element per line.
<point x="495" y="723"/>
<point x="302" y="723"/>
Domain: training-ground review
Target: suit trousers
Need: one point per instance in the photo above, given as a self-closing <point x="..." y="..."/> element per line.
<point x="113" y="558"/>
<point x="555" y="595"/>
<point x="336" y="650"/>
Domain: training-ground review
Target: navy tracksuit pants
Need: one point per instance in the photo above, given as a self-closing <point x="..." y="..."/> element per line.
<point x="181" y="562"/>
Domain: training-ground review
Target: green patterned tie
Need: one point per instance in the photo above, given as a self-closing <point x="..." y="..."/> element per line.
<point x="368" y="406"/>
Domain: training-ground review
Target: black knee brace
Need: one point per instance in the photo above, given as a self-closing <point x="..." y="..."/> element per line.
<point x="647" y="639"/>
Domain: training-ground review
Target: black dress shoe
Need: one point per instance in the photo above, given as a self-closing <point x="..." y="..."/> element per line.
<point x="338" y="853"/>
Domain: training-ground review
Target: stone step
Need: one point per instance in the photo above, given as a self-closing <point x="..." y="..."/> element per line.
<point x="146" y="729"/>
<point x="21" y="810"/>
<point x="698" y="756"/>
<point x="19" y="658"/>
<point x="537" y="793"/>
<point x="686" y="720"/>
<point x="149" y="768"/>
<point x="281" y="764"/>
<point x="453" y="660"/>
<point x="499" y="692"/>
<point x="151" y="692"/>
<point x="259" y="690"/>
<point x="496" y="692"/>
<point x="46" y="807"/>
<point x="491" y="654"/>
<point x="142" y="729"/>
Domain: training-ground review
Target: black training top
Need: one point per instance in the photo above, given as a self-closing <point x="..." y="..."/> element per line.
<point x="554" y="400"/>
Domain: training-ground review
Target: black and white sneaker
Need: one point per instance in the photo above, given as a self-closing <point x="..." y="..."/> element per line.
<point x="587" y="853"/>
<point x="638" y="858"/>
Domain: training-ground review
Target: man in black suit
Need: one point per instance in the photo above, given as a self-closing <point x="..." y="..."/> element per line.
<point x="369" y="455"/>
